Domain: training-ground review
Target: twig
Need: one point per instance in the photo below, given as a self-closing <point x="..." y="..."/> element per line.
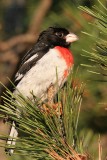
<point x="17" y="40"/>
<point x="38" y="16"/>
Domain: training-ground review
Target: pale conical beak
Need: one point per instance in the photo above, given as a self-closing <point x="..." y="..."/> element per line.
<point x="71" y="37"/>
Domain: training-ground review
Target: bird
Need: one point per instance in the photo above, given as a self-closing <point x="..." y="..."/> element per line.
<point x="37" y="71"/>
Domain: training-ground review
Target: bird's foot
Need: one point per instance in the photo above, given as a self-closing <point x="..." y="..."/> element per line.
<point x="58" y="108"/>
<point x="55" y="108"/>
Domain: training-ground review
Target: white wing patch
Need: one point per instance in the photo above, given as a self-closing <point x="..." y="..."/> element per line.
<point x="18" y="76"/>
<point x="31" y="58"/>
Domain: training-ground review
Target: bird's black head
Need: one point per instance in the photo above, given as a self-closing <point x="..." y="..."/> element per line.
<point x="56" y="36"/>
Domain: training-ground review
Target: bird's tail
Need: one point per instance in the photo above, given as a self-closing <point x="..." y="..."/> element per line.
<point x="12" y="138"/>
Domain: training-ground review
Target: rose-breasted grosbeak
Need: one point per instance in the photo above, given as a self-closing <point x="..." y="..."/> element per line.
<point x="37" y="72"/>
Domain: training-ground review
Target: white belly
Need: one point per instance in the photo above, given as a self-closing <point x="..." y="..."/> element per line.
<point x="46" y="72"/>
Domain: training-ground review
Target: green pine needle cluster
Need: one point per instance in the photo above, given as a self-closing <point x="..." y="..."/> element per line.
<point x="46" y="134"/>
<point x="98" y="56"/>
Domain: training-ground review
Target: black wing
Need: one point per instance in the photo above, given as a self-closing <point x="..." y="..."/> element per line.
<point x="29" y="60"/>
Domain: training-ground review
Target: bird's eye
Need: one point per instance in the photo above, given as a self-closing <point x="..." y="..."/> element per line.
<point x="59" y="34"/>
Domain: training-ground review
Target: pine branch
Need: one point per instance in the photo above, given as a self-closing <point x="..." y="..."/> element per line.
<point x="46" y="134"/>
